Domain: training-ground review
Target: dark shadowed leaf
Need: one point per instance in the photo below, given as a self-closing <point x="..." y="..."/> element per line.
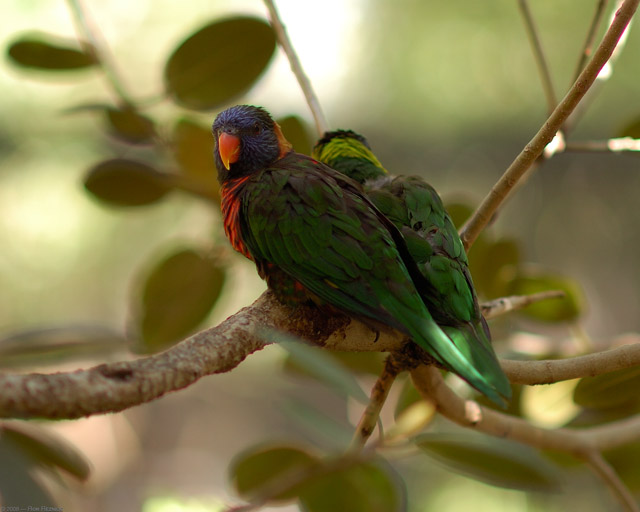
<point x="361" y="362"/>
<point x="178" y="295"/>
<point x="219" y="62"/>
<point x="124" y="182"/>
<point x="631" y="129"/>
<point x="533" y="280"/>
<point x="257" y="470"/>
<point x="497" y="462"/>
<point x="18" y="487"/>
<point x="315" y="362"/>
<point x="625" y="462"/>
<point x="46" y="448"/>
<point x="362" y="487"/>
<point x="193" y="146"/>
<point x="609" y="390"/>
<point x="129" y="125"/>
<point x="46" y="52"/>
<point x="492" y="264"/>
<point x="295" y="131"/>
<point x="57" y="344"/>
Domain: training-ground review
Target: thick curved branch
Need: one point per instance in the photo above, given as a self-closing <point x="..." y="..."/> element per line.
<point x="116" y="386"/>
<point x="547" y="132"/>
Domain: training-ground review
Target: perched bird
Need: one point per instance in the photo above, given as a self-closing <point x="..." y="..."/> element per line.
<point x="433" y="242"/>
<point x="304" y="223"/>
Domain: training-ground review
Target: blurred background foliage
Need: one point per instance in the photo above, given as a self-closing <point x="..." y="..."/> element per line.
<point x="112" y="239"/>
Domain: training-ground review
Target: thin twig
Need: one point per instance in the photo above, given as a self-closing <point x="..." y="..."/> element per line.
<point x="591" y="35"/>
<point x="503" y="305"/>
<point x="305" y="84"/>
<point x="618" y="145"/>
<point x="98" y="50"/>
<point x="379" y="393"/>
<point x="539" y="56"/>
<point x="534" y="148"/>
<point x="607" y="474"/>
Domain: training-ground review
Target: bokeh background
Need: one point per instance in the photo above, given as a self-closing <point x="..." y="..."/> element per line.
<point x="449" y="91"/>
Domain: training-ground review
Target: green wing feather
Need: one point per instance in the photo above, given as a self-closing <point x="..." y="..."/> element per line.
<point x="340" y="249"/>
<point x="433" y="243"/>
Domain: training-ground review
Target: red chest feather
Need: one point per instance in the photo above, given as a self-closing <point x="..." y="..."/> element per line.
<point x="231" y="215"/>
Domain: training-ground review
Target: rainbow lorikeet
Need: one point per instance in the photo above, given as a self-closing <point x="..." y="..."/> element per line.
<point x="298" y="218"/>
<point x="433" y="242"/>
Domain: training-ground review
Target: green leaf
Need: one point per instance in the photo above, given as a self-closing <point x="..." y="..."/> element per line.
<point x="256" y="470"/>
<point x="193" y="147"/>
<point x="219" y="62"/>
<point x="49" y="53"/>
<point x="631" y="129"/>
<point x="295" y="131"/>
<point x="58" y="344"/>
<point x="491" y="265"/>
<point x="47" y="448"/>
<point x="328" y="430"/>
<point x="178" y="295"/>
<point x="18" y="487"/>
<point x="315" y="362"/>
<point x="496" y="462"/>
<point x="613" y="389"/>
<point x="123" y="182"/>
<point x="363" y="487"/>
<point x="624" y="460"/>
<point x="531" y="280"/>
<point x="130" y="126"/>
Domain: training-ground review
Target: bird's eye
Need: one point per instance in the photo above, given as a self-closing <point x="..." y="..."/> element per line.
<point x="256" y="128"/>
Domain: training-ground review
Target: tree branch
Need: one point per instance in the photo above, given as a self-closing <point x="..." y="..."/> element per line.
<point x="534" y="148"/>
<point x="538" y="54"/>
<point x="304" y="82"/>
<point x="590" y="365"/>
<point x="586" y="444"/>
<point x="117" y="386"/>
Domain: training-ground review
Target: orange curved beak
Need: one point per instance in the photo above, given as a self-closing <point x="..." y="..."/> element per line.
<point x="229" y="149"/>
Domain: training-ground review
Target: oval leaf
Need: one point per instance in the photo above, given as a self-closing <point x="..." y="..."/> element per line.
<point x="130" y="126"/>
<point x="54" y="345"/>
<point x="363" y="487"/>
<point x="315" y="362"/>
<point x="48" y="53"/>
<point x="489" y="265"/>
<point x="193" y="147"/>
<point x="219" y="62"/>
<point x="124" y="182"/>
<point x="499" y="463"/>
<point x="255" y="471"/>
<point x="295" y="131"/>
<point x="178" y="295"/>
<point x="609" y="390"/>
<point x="533" y="280"/>
<point x="632" y="129"/>
<point x="46" y="448"/>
